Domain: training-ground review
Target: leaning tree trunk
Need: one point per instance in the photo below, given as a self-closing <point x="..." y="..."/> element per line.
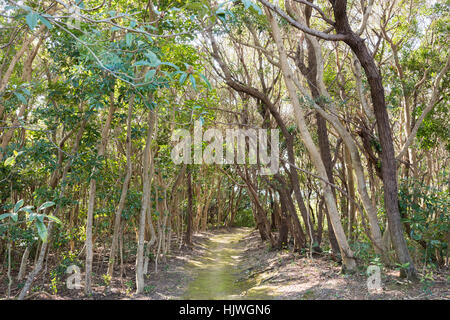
<point x="325" y="153"/>
<point x="388" y="162"/>
<point x="346" y="253"/>
<point x="314" y="75"/>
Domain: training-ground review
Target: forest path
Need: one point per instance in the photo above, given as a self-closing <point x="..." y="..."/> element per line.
<point x="216" y="274"/>
<point x="236" y="264"/>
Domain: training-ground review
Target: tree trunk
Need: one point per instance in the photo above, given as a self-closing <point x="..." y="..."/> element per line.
<point x="92" y="195"/>
<point x="123" y="195"/>
<point x="188" y="238"/>
<point x="40" y="252"/>
<point x="388" y="162"/>
<point x="23" y="263"/>
<point x="346" y="252"/>
<point x="146" y="193"/>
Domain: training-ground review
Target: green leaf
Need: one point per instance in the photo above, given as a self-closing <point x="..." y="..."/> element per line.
<point x="5" y="215"/>
<point x="20" y="97"/>
<point x="32" y="216"/>
<point x="18" y="205"/>
<point x="42" y="230"/>
<point x="26" y="91"/>
<point x="152" y="57"/>
<point x="435" y="243"/>
<point x="183" y="77"/>
<point x="247" y="4"/>
<point x="14" y="216"/>
<point x="31" y="19"/>
<point x="10" y="161"/>
<point x="26" y="209"/>
<point x="55" y="219"/>
<point x="194" y="85"/>
<point x="45" y="22"/>
<point x="141" y="63"/>
<point x="129" y="39"/>
<point x="415" y="236"/>
<point x="46" y="205"/>
<point x="170" y="65"/>
<point x="149" y="75"/>
<point x="205" y="80"/>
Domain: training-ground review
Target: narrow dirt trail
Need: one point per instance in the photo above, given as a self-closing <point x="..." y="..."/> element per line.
<point x="216" y="274"/>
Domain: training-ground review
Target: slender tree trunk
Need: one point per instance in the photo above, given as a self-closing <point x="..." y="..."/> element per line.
<point x="150" y="226"/>
<point x="40" y="252"/>
<point x="23" y="263"/>
<point x="92" y="197"/>
<point x="283" y="229"/>
<point x="235" y="208"/>
<point x="325" y="153"/>
<point x="288" y="207"/>
<point x="147" y="180"/>
<point x="188" y="238"/>
<point x="123" y="195"/>
<point x="351" y="192"/>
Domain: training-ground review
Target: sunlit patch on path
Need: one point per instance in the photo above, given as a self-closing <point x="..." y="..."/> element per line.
<point x="217" y="272"/>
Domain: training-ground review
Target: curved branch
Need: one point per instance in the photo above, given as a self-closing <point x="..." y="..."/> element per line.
<point x="316" y="33"/>
<point x="322" y="14"/>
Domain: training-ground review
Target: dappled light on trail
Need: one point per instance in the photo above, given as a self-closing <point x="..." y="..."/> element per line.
<point x="217" y="273"/>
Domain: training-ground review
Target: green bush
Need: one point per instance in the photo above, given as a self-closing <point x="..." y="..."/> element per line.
<point x="425" y="214"/>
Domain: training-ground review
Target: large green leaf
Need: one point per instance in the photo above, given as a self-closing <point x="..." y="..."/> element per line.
<point x="170" y="65"/>
<point x="129" y="39"/>
<point x="53" y="218"/>
<point x="42" y="230"/>
<point x="183" y="77"/>
<point x="9" y="161"/>
<point x="18" y="205"/>
<point x="45" y="22"/>
<point x="194" y="84"/>
<point x="31" y="20"/>
<point x="20" y="97"/>
<point x="152" y="57"/>
<point x="27" y="209"/>
<point x="46" y="205"/>
<point x="141" y="63"/>
<point x="32" y="216"/>
<point x="150" y="74"/>
<point x="205" y="80"/>
<point x="5" y="215"/>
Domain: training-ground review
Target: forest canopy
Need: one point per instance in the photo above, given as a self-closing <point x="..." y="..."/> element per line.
<point x="92" y="92"/>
